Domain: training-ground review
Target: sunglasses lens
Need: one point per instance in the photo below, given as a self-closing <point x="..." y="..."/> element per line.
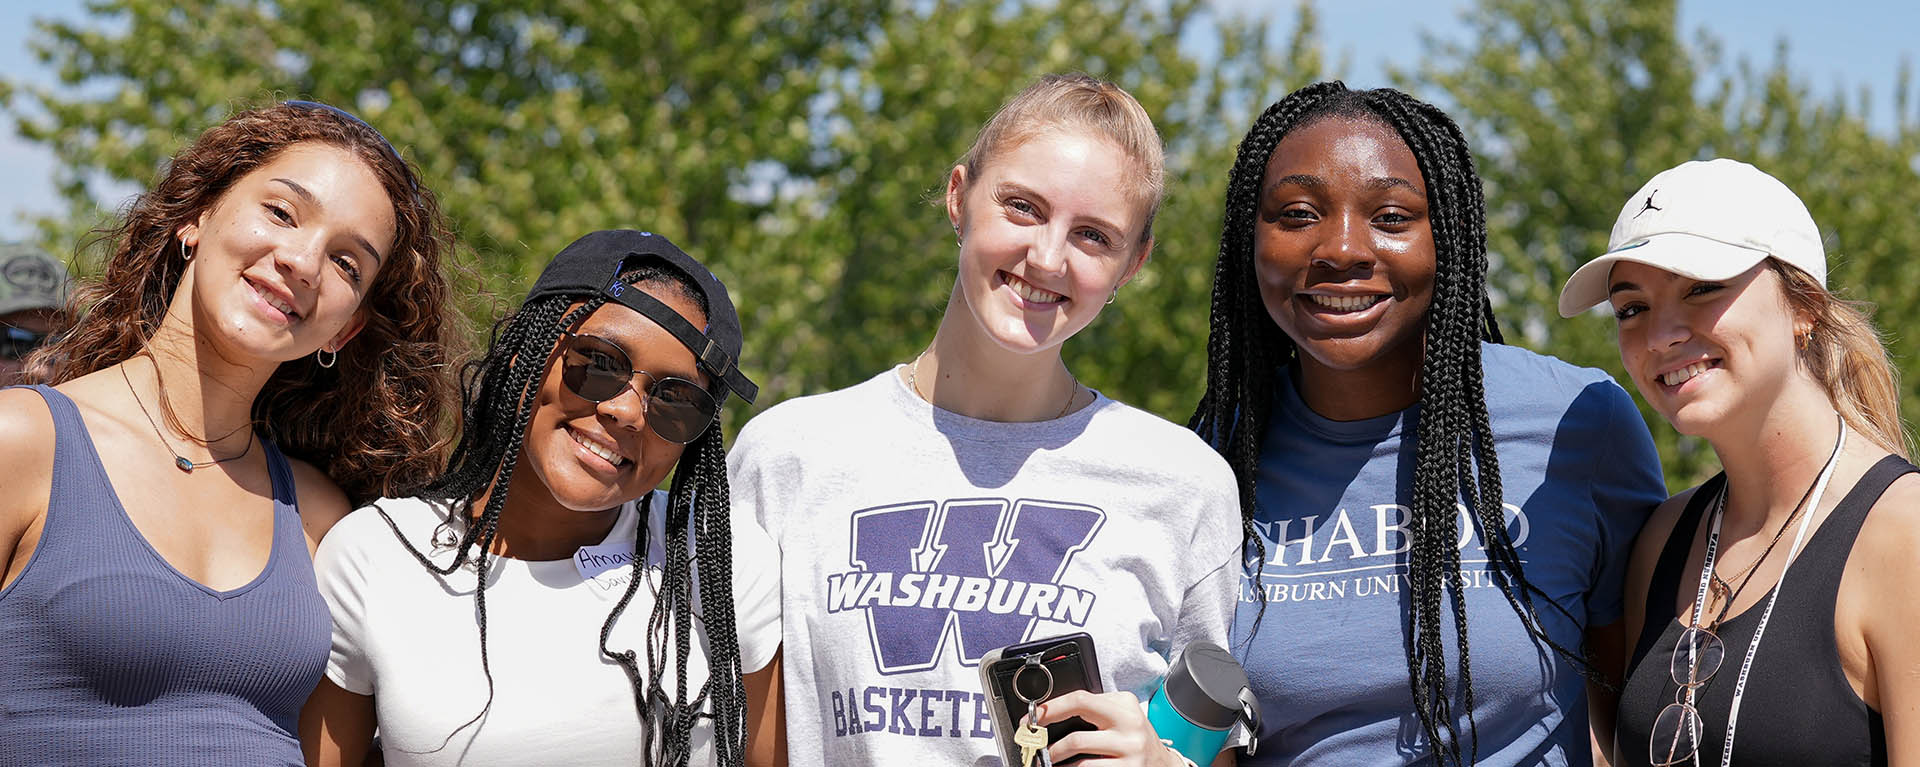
<point x="1675" y="738"/>
<point x="679" y="410"/>
<point x="594" y="369"/>
<point x="1696" y="657"/>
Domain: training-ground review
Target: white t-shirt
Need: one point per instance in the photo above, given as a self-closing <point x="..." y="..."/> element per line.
<point x="914" y="540"/>
<point x="409" y="638"/>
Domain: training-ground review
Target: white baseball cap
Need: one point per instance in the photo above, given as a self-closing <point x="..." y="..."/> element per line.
<point x="1706" y="220"/>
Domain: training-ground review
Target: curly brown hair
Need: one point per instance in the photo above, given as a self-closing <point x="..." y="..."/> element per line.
<point x="378" y="421"/>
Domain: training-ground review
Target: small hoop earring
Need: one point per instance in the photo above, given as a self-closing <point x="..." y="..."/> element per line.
<point x="328" y="360"/>
<point x="1116" y="294"/>
<point x="184" y="255"/>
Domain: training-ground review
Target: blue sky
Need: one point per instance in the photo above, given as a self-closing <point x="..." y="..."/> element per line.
<point x="1844" y="45"/>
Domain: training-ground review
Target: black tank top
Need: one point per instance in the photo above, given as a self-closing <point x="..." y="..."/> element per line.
<point x="1799" y="708"/>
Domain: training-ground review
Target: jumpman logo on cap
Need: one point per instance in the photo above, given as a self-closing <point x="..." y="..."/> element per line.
<point x="1648" y="205"/>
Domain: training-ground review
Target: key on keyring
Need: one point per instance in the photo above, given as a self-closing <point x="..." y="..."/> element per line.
<point x="1032" y="741"/>
<point x="1030" y="737"/>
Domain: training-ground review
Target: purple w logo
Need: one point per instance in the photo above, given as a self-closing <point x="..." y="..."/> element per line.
<point x="981" y="569"/>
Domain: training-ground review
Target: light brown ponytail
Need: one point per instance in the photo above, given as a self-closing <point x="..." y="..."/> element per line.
<point x="1845" y="353"/>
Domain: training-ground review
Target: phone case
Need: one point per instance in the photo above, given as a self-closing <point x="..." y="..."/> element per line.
<point x="1074" y="665"/>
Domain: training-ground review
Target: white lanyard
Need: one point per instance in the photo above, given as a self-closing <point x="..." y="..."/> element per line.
<point x="1706" y="572"/>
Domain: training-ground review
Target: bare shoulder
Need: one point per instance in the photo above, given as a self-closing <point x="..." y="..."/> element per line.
<point x="1878" y="605"/>
<point x="1659" y="527"/>
<point x="26" y="449"/>
<point x="322" y="502"/>
<point x="27" y="425"/>
<point x="1889" y="536"/>
<point x="1646" y="554"/>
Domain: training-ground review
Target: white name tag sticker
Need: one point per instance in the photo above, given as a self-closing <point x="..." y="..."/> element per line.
<point x="594" y="562"/>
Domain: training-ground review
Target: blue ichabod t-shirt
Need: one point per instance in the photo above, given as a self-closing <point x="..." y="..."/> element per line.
<point x="1580" y="474"/>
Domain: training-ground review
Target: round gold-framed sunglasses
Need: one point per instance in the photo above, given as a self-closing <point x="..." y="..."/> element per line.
<point x="596" y="370"/>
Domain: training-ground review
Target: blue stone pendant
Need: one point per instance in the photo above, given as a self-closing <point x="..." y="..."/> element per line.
<point x="184" y="464"/>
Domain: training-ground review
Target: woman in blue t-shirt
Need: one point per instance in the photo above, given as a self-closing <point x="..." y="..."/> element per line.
<point x="1436" y="523"/>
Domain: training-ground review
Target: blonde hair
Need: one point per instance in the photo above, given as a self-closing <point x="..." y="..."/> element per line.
<point x="1084" y="103"/>
<point x="1847" y="355"/>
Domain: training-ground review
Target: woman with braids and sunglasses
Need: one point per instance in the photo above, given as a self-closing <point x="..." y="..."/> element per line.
<point x="610" y="375"/>
<point x="1773" y="607"/>
<point x="978" y="495"/>
<point x="271" y="313"/>
<point x="1437" y="524"/>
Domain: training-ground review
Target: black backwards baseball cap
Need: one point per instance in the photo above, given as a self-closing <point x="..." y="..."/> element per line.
<point x="592" y="266"/>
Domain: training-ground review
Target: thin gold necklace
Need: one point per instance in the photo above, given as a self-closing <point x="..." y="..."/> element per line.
<point x="1725" y="586"/>
<point x="913" y="382"/>
<point x="179" y="461"/>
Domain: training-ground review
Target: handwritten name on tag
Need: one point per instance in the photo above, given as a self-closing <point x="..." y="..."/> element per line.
<point x="598" y="564"/>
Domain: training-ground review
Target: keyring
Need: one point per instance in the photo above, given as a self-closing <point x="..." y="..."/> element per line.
<point x="1033" y="661"/>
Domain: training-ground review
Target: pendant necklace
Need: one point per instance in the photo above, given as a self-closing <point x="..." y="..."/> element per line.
<point x="179" y="461"/>
<point x="1812" y="503"/>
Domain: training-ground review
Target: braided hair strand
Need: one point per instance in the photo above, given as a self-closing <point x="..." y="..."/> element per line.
<point x="498" y="402"/>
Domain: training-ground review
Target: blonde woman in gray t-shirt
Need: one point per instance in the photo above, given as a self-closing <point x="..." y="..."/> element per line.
<point x="979" y="495"/>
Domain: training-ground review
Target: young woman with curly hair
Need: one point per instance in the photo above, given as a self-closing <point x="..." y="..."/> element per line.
<point x="272" y="314"/>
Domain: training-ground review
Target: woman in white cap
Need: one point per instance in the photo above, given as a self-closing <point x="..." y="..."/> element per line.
<point x="1804" y="545"/>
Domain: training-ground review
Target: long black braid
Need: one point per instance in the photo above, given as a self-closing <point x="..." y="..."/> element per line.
<point x="1454" y="442"/>
<point x="498" y="393"/>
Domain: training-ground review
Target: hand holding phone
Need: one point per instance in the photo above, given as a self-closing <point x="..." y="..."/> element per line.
<point x="1017" y="676"/>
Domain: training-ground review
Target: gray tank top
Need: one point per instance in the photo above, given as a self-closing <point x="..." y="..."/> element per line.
<point x="108" y="655"/>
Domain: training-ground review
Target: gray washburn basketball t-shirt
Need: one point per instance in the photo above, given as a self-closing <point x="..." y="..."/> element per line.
<point x="1329" y="663"/>
<point x="914" y="540"/>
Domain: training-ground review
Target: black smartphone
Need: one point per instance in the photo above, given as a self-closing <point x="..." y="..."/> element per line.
<point x="1011" y="676"/>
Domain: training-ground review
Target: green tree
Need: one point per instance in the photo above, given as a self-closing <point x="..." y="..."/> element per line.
<point x="910" y="103"/>
<point x="793" y="146"/>
<point x="535" y="122"/>
<point x="1572" y="106"/>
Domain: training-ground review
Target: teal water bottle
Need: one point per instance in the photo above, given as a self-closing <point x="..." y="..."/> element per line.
<point x="1204" y="694"/>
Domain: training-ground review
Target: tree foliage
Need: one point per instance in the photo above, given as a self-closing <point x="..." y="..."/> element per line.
<point x="793" y="146"/>
<point x="1572" y="106"/>
<point x="799" y="146"/>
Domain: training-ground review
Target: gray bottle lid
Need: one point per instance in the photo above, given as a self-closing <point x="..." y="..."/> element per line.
<point x="1204" y="685"/>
